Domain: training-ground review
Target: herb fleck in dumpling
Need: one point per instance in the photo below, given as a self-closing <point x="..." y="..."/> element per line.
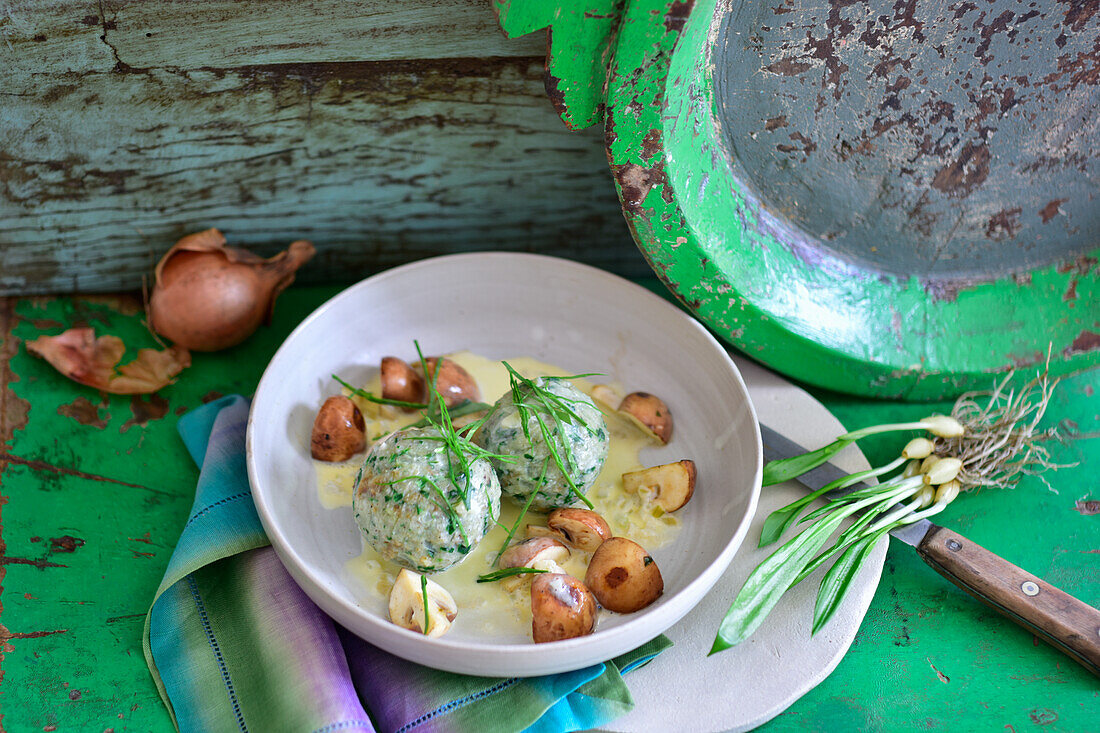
<point x="544" y="426"/>
<point x="416" y="506"/>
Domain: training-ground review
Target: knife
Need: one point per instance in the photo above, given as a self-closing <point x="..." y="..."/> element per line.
<point x="1050" y="613"/>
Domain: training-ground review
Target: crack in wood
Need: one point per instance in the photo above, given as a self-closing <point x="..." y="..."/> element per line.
<point x="40" y="563"/>
<point x="6" y="635"/>
<point x="48" y="467"/>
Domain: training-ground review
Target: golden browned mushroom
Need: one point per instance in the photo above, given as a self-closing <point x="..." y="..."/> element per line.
<point x="542" y="553"/>
<point x="561" y="608"/>
<point x="581" y="528"/>
<point x="670" y="485"/>
<point x="407" y="605"/>
<point x="650" y="412"/>
<point x="623" y="576"/>
<point x="538" y="530"/>
<point x="338" y="430"/>
<point x="400" y="381"/>
<point x="454" y="383"/>
<point x="529" y="552"/>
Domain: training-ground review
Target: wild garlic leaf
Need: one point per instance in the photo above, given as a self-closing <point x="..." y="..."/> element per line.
<point x="784" y="469"/>
<point x="769" y="581"/>
<point x="840" y="576"/>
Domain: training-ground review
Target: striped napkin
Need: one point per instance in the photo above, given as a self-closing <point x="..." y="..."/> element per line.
<point x="234" y="645"/>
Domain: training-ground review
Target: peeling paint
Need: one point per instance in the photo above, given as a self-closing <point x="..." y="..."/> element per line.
<point x="85" y="412"/>
<point x="1051" y="210"/>
<point x="651" y="144"/>
<point x="961" y="176"/>
<point x="1043" y="716"/>
<point x="635" y="183"/>
<point x="144" y="409"/>
<point x="14" y="411"/>
<point x="1087" y="507"/>
<point x="1084" y="342"/>
<point x="65" y="543"/>
<point x="45" y="467"/>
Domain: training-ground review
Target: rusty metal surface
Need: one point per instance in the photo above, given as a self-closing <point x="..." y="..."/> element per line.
<point x="931" y="138"/>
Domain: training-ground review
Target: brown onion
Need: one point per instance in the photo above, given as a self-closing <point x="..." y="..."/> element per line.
<point x="207" y="296"/>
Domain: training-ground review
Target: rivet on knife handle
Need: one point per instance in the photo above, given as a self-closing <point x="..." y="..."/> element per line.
<point x="1052" y="614"/>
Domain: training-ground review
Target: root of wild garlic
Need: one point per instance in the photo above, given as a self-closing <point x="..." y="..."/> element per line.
<point x="978" y="445"/>
<point x="1002" y="441"/>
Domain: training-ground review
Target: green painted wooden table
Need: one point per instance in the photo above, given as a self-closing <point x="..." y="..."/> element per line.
<point x="94" y="490"/>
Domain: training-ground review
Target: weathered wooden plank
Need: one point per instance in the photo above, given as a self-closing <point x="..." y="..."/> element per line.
<point x="39" y="35"/>
<point x="81" y="35"/>
<point x="232" y="33"/>
<point x="126" y="124"/>
<point x="377" y="163"/>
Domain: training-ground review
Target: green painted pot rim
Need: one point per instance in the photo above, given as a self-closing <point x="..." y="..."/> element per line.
<point x="770" y="290"/>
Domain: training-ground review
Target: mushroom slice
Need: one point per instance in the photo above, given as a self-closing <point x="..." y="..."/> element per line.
<point x="670" y="484"/>
<point x="581" y="528"/>
<point x="537" y="530"/>
<point x="561" y="608"/>
<point x="400" y="381"/>
<point x="650" y="413"/>
<point x="338" y="430"/>
<point x="606" y="396"/>
<point x="541" y="553"/>
<point x="524" y="554"/>
<point x="407" y="605"/>
<point x="623" y="576"/>
<point x="454" y="383"/>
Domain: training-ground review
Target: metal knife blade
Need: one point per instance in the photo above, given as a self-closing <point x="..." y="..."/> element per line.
<point x="1065" y="622"/>
<point x="776" y="446"/>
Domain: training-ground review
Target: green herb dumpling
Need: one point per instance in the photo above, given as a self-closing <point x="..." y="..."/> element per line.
<point x="553" y="426"/>
<point x="417" y="506"/>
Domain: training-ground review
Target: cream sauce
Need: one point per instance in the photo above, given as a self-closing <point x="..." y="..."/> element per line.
<point x="501" y="608"/>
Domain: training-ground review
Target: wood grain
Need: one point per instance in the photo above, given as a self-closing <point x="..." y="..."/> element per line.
<point x="232" y="33"/>
<point x="114" y="147"/>
<point x="1054" y="615"/>
<point x="40" y="35"/>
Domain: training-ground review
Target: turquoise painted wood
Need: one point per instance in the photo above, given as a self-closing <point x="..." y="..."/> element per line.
<point x="381" y="131"/>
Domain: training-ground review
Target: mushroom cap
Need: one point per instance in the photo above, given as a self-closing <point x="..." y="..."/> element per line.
<point x="651" y="412"/>
<point x="561" y="608"/>
<point x="581" y="528"/>
<point x="400" y="381"/>
<point x="338" y="430"/>
<point x="623" y="576"/>
<point x="454" y="383"/>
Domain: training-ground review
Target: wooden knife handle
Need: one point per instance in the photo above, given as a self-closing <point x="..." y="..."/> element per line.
<point x="1052" y="614"/>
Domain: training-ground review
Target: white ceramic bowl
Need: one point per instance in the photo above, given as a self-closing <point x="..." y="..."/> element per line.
<point x="506" y="305"/>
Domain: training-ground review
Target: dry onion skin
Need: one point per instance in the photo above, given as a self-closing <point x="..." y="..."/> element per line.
<point x="82" y="357"/>
<point x="208" y="297"/>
